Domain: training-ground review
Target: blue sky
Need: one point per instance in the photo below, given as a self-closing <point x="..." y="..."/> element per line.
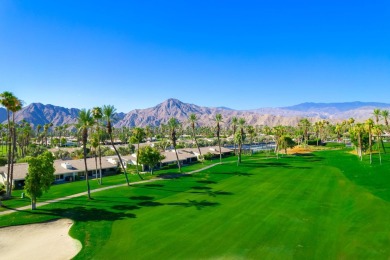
<point x="239" y="54"/>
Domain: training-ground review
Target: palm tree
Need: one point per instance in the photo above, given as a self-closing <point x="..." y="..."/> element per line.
<point x="97" y="116"/>
<point x="192" y="119"/>
<point x="369" y="125"/>
<point x="218" y="119"/>
<point x="85" y="122"/>
<point x="385" y="115"/>
<point x="240" y="138"/>
<point x="108" y="115"/>
<point x="377" y="114"/>
<point x="234" y="125"/>
<point x="137" y="137"/>
<point x="95" y="144"/>
<point x="173" y="124"/>
<point x="305" y="125"/>
<point x="357" y="130"/>
<point x="251" y="133"/>
<point x="377" y="130"/>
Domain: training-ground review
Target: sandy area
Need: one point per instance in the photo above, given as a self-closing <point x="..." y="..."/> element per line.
<point x="48" y="240"/>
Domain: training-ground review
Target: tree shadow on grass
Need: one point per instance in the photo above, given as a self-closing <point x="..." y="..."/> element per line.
<point x="213" y="193"/>
<point x="125" y="207"/>
<point x="141" y="198"/>
<point x="86" y="214"/>
<point x="206" y="182"/>
<point x="153" y="185"/>
<point x="237" y="173"/>
<point x="200" y="188"/>
<point x="150" y="204"/>
<point x="194" y="203"/>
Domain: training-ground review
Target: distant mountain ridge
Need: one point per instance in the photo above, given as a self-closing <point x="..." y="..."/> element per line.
<point x="37" y="113"/>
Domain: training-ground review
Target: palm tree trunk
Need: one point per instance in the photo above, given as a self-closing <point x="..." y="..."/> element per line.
<point x="380" y="157"/>
<point x="177" y="158"/>
<point x="86" y="173"/>
<point x="120" y="161"/>
<point x="96" y="166"/>
<point x="9" y="185"/>
<point x="100" y="165"/>
<point x="220" y="152"/>
<point x="370" y="146"/>
<point x="139" y="175"/>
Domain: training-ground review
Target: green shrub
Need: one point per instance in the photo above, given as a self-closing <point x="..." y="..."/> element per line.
<point x="3" y="161"/>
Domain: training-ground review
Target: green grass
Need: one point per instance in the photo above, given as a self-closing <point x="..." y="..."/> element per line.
<point x="327" y="205"/>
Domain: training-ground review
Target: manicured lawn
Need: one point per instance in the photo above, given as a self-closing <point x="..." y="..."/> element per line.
<point x="319" y="206"/>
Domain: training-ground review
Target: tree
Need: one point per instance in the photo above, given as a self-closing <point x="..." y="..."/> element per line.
<point x="369" y="125"/>
<point x="13" y="104"/>
<point x="85" y="122"/>
<point x="40" y="176"/>
<point x="173" y="124"/>
<point x="357" y="133"/>
<point x="218" y="119"/>
<point x="252" y="133"/>
<point x="377" y="114"/>
<point x="240" y="138"/>
<point x="234" y="126"/>
<point x="304" y="124"/>
<point x="149" y="156"/>
<point x="377" y="130"/>
<point x="285" y="142"/>
<point x="108" y="115"/>
<point x="137" y="137"/>
<point x="385" y="115"/>
<point x="97" y="116"/>
<point x="192" y="118"/>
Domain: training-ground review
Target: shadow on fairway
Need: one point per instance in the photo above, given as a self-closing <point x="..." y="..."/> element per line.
<point x="194" y="203"/>
<point x="206" y="182"/>
<point x="213" y="193"/>
<point x="86" y="214"/>
<point x="141" y="198"/>
<point x="125" y="207"/>
<point x="201" y="188"/>
<point x="238" y="173"/>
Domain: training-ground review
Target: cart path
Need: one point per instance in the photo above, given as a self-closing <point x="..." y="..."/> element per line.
<point x="39" y="204"/>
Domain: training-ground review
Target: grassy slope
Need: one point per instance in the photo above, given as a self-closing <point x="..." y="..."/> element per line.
<point x="295" y="207"/>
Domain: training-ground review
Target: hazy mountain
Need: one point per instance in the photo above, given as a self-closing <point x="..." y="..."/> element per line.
<point x="37" y="113"/>
<point x="335" y="107"/>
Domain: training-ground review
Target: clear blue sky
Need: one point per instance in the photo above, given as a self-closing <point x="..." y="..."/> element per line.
<point x="239" y="54"/>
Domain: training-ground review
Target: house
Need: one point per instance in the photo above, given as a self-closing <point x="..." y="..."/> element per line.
<point x="68" y="170"/>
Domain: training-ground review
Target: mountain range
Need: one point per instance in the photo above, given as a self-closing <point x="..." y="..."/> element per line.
<point x="37" y="113"/>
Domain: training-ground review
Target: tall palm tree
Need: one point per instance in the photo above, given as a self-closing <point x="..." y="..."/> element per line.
<point x="173" y="124"/>
<point x="377" y="114"/>
<point x="305" y="125"/>
<point x="137" y="137"/>
<point x="234" y="126"/>
<point x="357" y="130"/>
<point x="240" y="138"/>
<point x="251" y="133"/>
<point x="193" y="119"/>
<point x="108" y="115"/>
<point x="85" y="122"/>
<point x="218" y="120"/>
<point x="385" y="115"/>
<point x="377" y="130"/>
<point x="369" y="125"/>
<point x="97" y="114"/>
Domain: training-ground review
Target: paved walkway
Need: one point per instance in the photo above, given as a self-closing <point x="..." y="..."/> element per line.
<point x="9" y="211"/>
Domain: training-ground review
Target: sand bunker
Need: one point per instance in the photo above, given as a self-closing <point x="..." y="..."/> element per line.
<point x="48" y="240"/>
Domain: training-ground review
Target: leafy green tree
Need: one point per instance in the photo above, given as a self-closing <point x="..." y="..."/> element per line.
<point x="108" y="115"/>
<point x="218" y="120"/>
<point x="150" y="156"/>
<point x="173" y="124"/>
<point x="138" y="135"/>
<point x="385" y="115"/>
<point x="40" y="176"/>
<point x="285" y="142"/>
<point x="85" y="122"/>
